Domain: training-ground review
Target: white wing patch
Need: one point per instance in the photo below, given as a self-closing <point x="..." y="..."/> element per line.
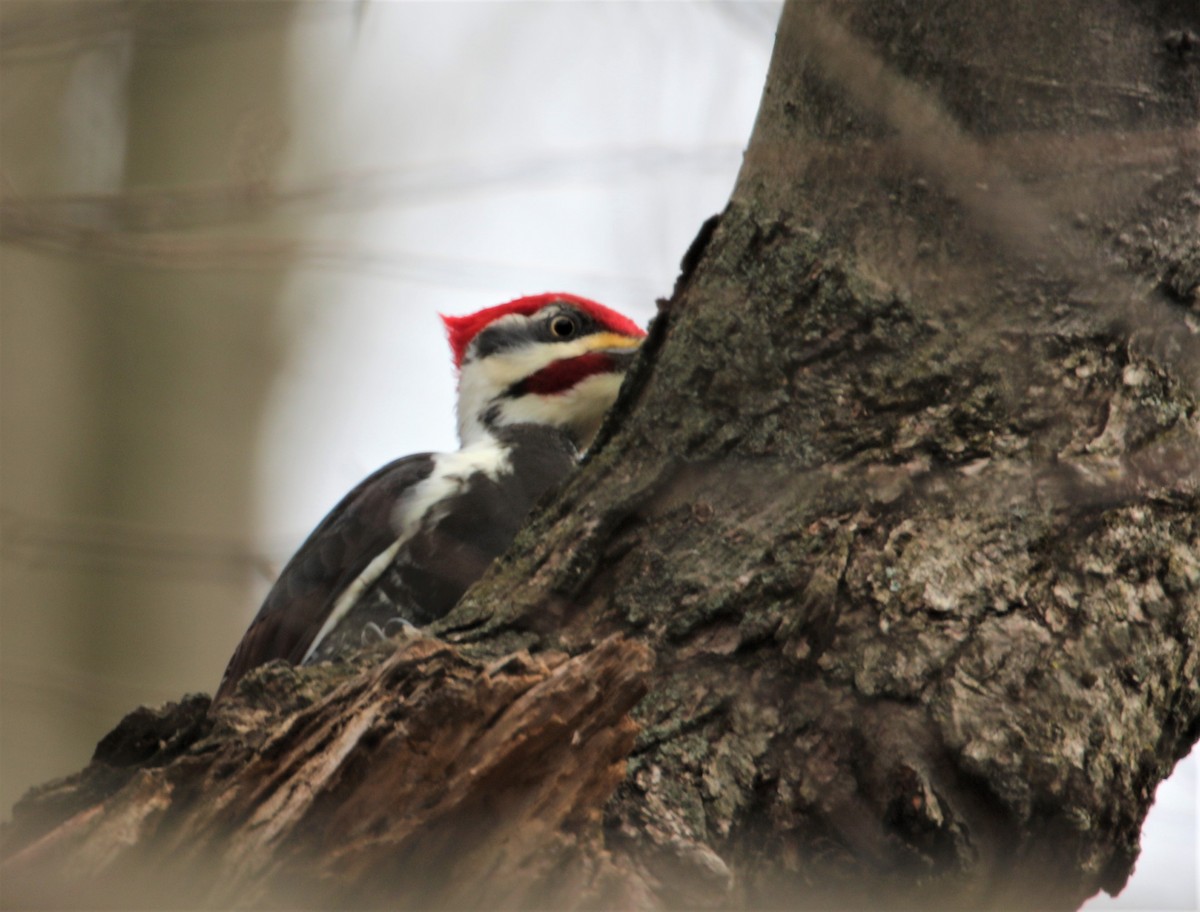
<point x="353" y="592"/>
<point x="451" y="472"/>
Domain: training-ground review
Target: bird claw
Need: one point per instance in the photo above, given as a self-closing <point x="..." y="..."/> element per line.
<point x="372" y="633"/>
<point x="398" y="626"/>
<point x="395" y="627"/>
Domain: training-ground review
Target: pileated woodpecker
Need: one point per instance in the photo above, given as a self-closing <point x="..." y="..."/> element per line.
<point x="535" y="377"/>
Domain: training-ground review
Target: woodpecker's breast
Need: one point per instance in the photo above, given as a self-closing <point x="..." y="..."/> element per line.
<point x="449" y="527"/>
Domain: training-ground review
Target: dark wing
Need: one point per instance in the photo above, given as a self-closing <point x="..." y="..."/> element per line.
<point x="477" y="524"/>
<point x="337" y="551"/>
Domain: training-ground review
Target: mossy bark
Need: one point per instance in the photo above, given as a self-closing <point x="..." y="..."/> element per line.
<point x="903" y="499"/>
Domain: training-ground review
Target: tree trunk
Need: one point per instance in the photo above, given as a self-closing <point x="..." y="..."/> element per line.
<point x="897" y="525"/>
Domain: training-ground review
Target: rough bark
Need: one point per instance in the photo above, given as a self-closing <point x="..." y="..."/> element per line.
<point x="903" y="501"/>
<point x="427" y="780"/>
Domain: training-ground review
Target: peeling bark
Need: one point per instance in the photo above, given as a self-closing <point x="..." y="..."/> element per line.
<point x="422" y="782"/>
<point x="903" y="498"/>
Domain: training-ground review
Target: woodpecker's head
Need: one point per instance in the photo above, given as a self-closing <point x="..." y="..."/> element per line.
<point x="553" y="359"/>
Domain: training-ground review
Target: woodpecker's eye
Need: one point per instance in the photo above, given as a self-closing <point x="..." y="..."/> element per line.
<point x="562" y="327"/>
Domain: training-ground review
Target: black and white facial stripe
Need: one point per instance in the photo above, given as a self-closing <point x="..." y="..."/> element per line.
<point x="556" y="323"/>
<point x="560" y="367"/>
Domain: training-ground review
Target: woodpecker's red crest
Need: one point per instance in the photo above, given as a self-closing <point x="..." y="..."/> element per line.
<point x="462" y="330"/>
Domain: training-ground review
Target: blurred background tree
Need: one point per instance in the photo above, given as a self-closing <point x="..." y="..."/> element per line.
<point x="137" y="356"/>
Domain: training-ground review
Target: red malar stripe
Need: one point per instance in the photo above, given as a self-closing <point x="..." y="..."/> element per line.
<point x="560" y="376"/>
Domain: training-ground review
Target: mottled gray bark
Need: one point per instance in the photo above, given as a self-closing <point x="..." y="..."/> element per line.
<point x="903" y="501"/>
<point x="905" y="498"/>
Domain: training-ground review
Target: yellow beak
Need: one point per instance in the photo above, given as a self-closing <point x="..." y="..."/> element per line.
<point x="612" y="342"/>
